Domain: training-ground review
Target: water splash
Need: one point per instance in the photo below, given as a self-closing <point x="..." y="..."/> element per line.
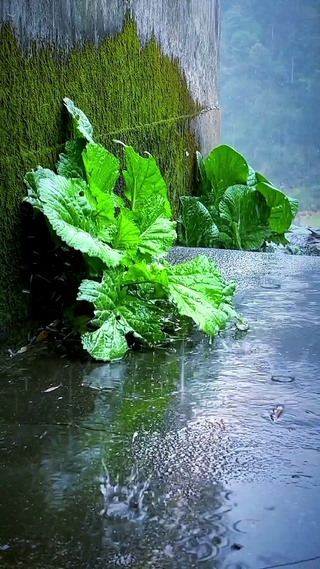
<point x="125" y="501"/>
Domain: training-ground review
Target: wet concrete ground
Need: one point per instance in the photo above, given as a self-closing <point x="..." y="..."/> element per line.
<point x="195" y="455"/>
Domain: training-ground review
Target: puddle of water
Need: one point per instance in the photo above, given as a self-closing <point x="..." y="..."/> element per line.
<point x="271" y="521"/>
<point x="197" y="455"/>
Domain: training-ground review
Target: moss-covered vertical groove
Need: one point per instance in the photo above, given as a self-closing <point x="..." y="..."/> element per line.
<point x="128" y="89"/>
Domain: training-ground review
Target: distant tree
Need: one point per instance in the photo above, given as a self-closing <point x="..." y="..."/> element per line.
<point x="270" y="88"/>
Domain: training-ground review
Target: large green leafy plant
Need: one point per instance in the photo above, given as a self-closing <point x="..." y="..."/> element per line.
<point x="124" y="240"/>
<point x="237" y="208"/>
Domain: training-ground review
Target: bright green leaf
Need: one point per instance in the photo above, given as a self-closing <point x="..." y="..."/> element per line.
<point x="72" y="217"/>
<point x="154" y="207"/>
<point x="116" y="314"/>
<point x="102" y="172"/>
<point x="261" y="178"/>
<point x="70" y="164"/>
<point x="32" y="180"/>
<point x="143" y="179"/>
<point x="225" y="167"/>
<point x="108" y="342"/>
<point x="143" y="272"/>
<point x="282" y="208"/>
<point x="102" y="167"/>
<point x="195" y="287"/>
<point x="245" y="215"/>
<point x="157" y="239"/>
<point x="128" y="234"/>
<point x="82" y="126"/>
<point x="199" y="292"/>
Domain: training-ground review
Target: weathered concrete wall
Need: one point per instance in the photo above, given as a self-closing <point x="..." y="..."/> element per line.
<point x="145" y="72"/>
<point x="188" y="30"/>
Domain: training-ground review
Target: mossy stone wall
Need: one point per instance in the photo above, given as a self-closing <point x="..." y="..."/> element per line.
<point x="129" y="89"/>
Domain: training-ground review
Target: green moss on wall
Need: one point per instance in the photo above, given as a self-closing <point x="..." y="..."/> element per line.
<point x="129" y="91"/>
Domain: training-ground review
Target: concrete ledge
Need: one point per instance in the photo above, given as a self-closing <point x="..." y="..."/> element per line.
<point x="248" y="268"/>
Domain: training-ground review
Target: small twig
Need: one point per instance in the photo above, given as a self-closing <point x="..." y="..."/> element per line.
<point x="60" y="424"/>
<point x="292" y="563"/>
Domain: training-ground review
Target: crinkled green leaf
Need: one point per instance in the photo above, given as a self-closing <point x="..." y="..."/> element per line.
<point x="197" y="228"/>
<point x="143" y="179"/>
<point x="82" y="126"/>
<point x="128" y="234"/>
<point x="102" y="172"/>
<point x="144" y="319"/>
<point x="195" y="287"/>
<point x="117" y="313"/>
<point x="70" y="164"/>
<point x="154" y="207"/>
<point x="282" y="209"/>
<point x="199" y="292"/>
<point x="157" y="239"/>
<point x="225" y="167"/>
<point x="102" y="167"/>
<point x="206" y="276"/>
<point x="212" y="209"/>
<point x="245" y="216"/>
<point x="72" y="217"/>
<point x="146" y="273"/>
<point x="32" y="180"/>
<point x="108" y="342"/>
<point x="107" y="231"/>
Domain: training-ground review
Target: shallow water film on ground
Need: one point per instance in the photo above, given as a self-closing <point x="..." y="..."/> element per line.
<point x="198" y="455"/>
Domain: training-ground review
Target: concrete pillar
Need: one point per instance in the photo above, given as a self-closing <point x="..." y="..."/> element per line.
<point x="143" y="71"/>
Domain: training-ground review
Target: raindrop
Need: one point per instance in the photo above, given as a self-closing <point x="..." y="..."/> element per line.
<point x="242" y="526"/>
<point x="277" y="412"/>
<point x="206" y="551"/>
<point x="168" y="551"/>
<point x="236" y="546"/>
<point x="242" y="326"/>
<point x="271" y="286"/>
<point x="282" y="378"/>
